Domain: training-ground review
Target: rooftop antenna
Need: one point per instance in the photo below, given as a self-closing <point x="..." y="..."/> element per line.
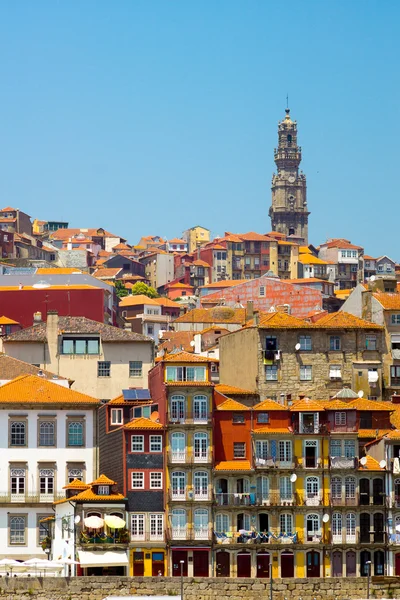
<point x="287" y="100"/>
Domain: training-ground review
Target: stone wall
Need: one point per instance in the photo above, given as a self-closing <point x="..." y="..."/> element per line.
<point x="98" y="588"/>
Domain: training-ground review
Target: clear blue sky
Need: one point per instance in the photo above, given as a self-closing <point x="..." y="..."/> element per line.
<point x="147" y="117"/>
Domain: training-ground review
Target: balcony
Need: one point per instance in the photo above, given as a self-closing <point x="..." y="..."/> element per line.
<point x="188" y="495"/>
<point x="186" y="457"/>
<point x="309" y="462"/>
<point x="313" y="429"/>
<point x="147" y="536"/>
<point x="309" y="499"/>
<point x="30" y="498"/>
<point x="254" y="499"/>
<point x="343" y="538"/>
<point x="100" y="538"/>
<point x="190" y="418"/>
<point x="272" y="537"/>
<point x="341" y="462"/>
<point x="344" y="501"/>
<point x="189" y="534"/>
<point x="272" y="463"/>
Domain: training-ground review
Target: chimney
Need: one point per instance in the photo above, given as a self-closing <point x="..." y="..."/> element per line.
<point x="396" y="399"/>
<point x="250" y="310"/>
<point x="366" y="310"/>
<point x="37" y="317"/>
<point x="256" y="318"/>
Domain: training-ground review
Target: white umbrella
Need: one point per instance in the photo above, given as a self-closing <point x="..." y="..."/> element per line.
<point x="11" y="564"/>
<point x="67" y="561"/>
<point x="114" y="522"/>
<point x="93" y="522"/>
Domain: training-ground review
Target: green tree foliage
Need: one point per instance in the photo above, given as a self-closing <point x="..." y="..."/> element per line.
<point x="142" y="288"/>
<point x="120" y="289"/>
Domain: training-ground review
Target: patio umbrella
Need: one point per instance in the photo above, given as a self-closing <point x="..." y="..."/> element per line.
<point x="93" y="522"/>
<point x="114" y="522"/>
<point x="67" y="561"/>
<point x="11" y="564"/>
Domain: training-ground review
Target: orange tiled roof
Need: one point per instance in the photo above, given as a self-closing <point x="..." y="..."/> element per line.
<point x="224" y="284"/>
<point x="306" y="404"/>
<point x="219" y="314"/>
<point x="166" y="302"/>
<point x="252" y="236"/>
<point x="395" y="416"/>
<point x="231" y="390"/>
<point x="388" y="301"/>
<point x="310" y="259"/>
<point x="121" y="246"/>
<point x="177" y="241"/>
<point x="371" y="465"/>
<point x="232" y="405"/>
<point x="57" y="271"/>
<point x="344" y="320"/>
<point x="143" y="423"/>
<point x="31" y="389"/>
<point x="179" y="286"/>
<point x="77" y="484"/>
<point x="172" y="340"/>
<point x="137" y="300"/>
<point x="6" y="321"/>
<point x="341" y="243"/>
<point x="364" y="404"/>
<point x="200" y="263"/>
<point x="335" y="405"/>
<point x="218" y="247"/>
<point x="90" y="496"/>
<point x="394" y="435"/>
<point x="269" y="405"/>
<point x="233" y="465"/>
<point x="268" y="429"/>
<point x="103" y="480"/>
<point x="372" y="433"/>
<point x="106" y="272"/>
<point x="189" y="383"/>
<point x="278" y="320"/>
<point x="8" y="209"/>
<point x="120" y="400"/>
<point x="184" y="357"/>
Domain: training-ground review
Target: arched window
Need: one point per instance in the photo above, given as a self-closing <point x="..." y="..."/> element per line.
<point x="350" y="489"/>
<point x="75" y="474"/>
<point x="178" y="479"/>
<point x="177" y="408"/>
<point x="93" y="513"/>
<point x="178" y="523"/>
<point x="200" y="408"/>
<point x="285" y="488"/>
<point x="46" y="480"/>
<point x="312" y="526"/>
<point x="286" y="524"/>
<point x="200" y="446"/>
<point x="178" y="447"/>
<point x="262" y="490"/>
<point x="289" y="139"/>
<point x="18" y="433"/>
<point x="46" y="433"/>
<point x="200" y="485"/>
<point x="201" y="523"/>
<point x="350" y="528"/>
<point x="336" y="488"/>
<point x="243" y="485"/>
<point x="243" y="521"/>
<point x="337" y="527"/>
<point x="75" y="433"/>
<point x="312" y="487"/>
<point x="17" y="530"/>
<point x="222" y="523"/>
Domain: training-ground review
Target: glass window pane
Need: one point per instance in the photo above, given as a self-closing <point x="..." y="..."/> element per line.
<point x="80" y="346"/>
<point x="93" y="346"/>
<point x="68" y="346"/>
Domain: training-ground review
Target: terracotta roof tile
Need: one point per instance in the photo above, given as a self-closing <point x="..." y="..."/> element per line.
<point x="233" y="465"/>
<point x="269" y="405"/>
<point x="108" y="333"/>
<point x="143" y="423"/>
<point x="6" y="321"/>
<point x="57" y="271"/>
<point x="137" y="300"/>
<point x="172" y="340"/>
<point x="252" y="236"/>
<point x="393" y="435"/>
<point x="90" y="496"/>
<point x="306" y="404"/>
<point x="371" y="465"/>
<point x="269" y="429"/>
<point x="106" y="273"/>
<point x="388" y="301"/>
<point x="335" y="405"/>
<point x="361" y="404"/>
<point x="279" y="320"/>
<point x="344" y="320"/>
<point x="189" y="383"/>
<point x="232" y="405"/>
<point x="231" y="390"/>
<point x="219" y="314"/>
<point x="201" y="263"/>
<point x="395" y="416"/>
<point x="10" y="368"/>
<point x="77" y="484"/>
<point x="341" y="243"/>
<point x="103" y="480"/>
<point x="30" y="389"/>
<point x="372" y="433"/>
<point x="166" y="302"/>
<point x="177" y="241"/>
<point x="310" y="259"/>
<point x="121" y="246"/>
<point x="185" y="357"/>
<point x="224" y="284"/>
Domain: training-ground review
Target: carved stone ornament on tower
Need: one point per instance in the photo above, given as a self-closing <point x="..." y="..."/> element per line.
<point x="289" y="211"/>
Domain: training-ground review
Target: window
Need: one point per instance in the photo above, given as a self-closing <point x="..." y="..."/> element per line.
<point x="271" y="343"/>
<point x="221" y="523"/>
<point x="178" y="484"/>
<point x="349" y="448"/>
<point x="312" y="525"/>
<point x="334" y="343"/>
<point x="305" y="372"/>
<point x="137" y="526"/>
<point x="46" y="481"/>
<point x="117" y="416"/>
<point x="156" y="481"/>
<point x="104" y="490"/>
<point x="18" y="433"/>
<point x="350" y="487"/>
<point x="238" y="418"/>
<point x="286" y="524"/>
<point x="150" y="329"/>
<point x="395" y="375"/>
<point x="337" y="525"/>
<point x="75" y="474"/>
<point x="135" y="368"/>
<point x="104" y="368"/>
<point x="336" y="488"/>
<point x="17" y="481"/>
<point x="262" y="449"/>
<point x="200" y="485"/>
<point x="285" y="488"/>
<point x="156" y="527"/>
<point x="285" y="451"/>
<point x="340" y="418"/>
<point x="350" y="526"/>
<point x="46" y="433"/>
<point x="395" y="319"/>
<point x="17" y="529"/>
<point x="271" y="372"/>
<point x="312" y="487"/>
<point x="370" y="342"/>
<point x="137" y="481"/>
<point x="177" y="408"/>
<point x="179" y="520"/>
<point x="72" y="345"/>
<point x="262" y="417"/>
<point x="42" y="529"/>
<point x="200" y="408"/>
<point x="261" y="291"/>
<point x="186" y="373"/>
<point x="137" y="443"/>
<point x="335" y="371"/>
<point x="305" y="342"/>
<point x="336" y="448"/>
<point x="365" y="420"/>
<point x="75" y="433"/>
<point x="239" y="450"/>
<point x="156" y="443"/>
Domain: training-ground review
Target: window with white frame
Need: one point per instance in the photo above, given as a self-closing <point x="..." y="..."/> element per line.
<point x="336" y="487"/>
<point x="200" y="480"/>
<point x="334" y="343"/>
<point x="222" y="523"/>
<point x="157" y="526"/>
<point x="177" y="408"/>
<point x="305" y="372"/>
<point x="286" y="524"/>
<point x="75" y="433"/>
<point x="117" y="416"/>
<point x="350" y="527"/>
<point x="395" y="319"/>
<point x="103" y="490"/>
<point x="156" y="443"/>
<point x="337" y="525"/>
<point x="200" y="408"/>
<point x="271" y="372"/>
<point x="370" y="342"/>
<point x="335" y="371"/>
<point x="17" y="481"/>
<point x="17" y="525"/>
<point x="312" y="487"/>
<point x="350" y="487"/>
<point x="137" y="526"/>
<point x="156" y="480"/>
<point x="135" y="368"/>
<point x="285" y="488"/>
<point x="46" y="433"/>
<point x="18" y="433"/>
<point x="46" y="481"/>
<point x="305" y="342"/>
<point x="239" y="450"/>
<point x="340" y="418"/>
<point x="262" y="449"/>
<point x="349" y="448"/>
<point x="75" y="474"/>
<point x="137" y="443"/>
<point x="336" y="448"/>
<point x="285" y="450"/>
<point x="200" y="440"/>
<point x="312" y="526"/>
<point x="178" y="479"/>
<point x="137" y="480"/>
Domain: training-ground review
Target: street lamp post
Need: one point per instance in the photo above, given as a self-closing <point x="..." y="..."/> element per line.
<point x="182" y="563"/>
<point x="270" y="578"/>
<point x="368" y="563"/>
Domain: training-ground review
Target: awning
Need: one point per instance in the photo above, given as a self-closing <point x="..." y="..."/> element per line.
<point x="103" y="559"/>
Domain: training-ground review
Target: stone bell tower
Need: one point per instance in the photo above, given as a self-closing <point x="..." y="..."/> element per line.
<point x="289" y="213"/>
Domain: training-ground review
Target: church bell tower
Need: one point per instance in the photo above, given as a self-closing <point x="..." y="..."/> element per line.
<point x="289" y="213"/>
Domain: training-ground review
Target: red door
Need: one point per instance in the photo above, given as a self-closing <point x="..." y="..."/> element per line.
<point x="313" y="564"/>
<point x="223" y="564"/>
<point x="244" y="565"/>
<point x="177" y="556"/>
<point x="337" y="564"/>
<point x="262" y="565"/>
<point x="200" y="563"/>
<point x="138" y="564"/>
<point x="351" y="564"/>
<point x="287" y="564"/>
<point x="397" y="565"/>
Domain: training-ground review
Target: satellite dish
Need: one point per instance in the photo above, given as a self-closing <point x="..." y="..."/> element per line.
<point x="297" y="347"/>
<point x="360" y="394"/>
<point x="40" y="285"/>
<point x="192" y="343"/>
<point x="363" y="461"/>
<point x="325" y="518"/>
<point x="382" y="464"/>
<point x="372" y="278"/>
<point x="77" y="520"/>
<point x="293" y="477"/>
<point x="154" y="416"/>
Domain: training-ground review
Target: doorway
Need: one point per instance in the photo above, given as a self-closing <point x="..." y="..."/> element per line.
<point x="221" y="494"/>
<point x="177" y="556"/>
<point x="365" y="568"/>
<point x="200" y="563"/>
<point x="287" y="564"/>
<point x="337" y="566"/>
<point x="377" y="492"/>
<point x="264" y="522"/>
<point x="351" y="564"/>
<point x="262" y="565"/>
<point x="313" y="564"/>
<point x="223" y="564"/>
<point x="157" y="564"/>
<point x="243" y="564"/>
<point x="364" y="492"/>
<point x="379" y="563"/>
<point x="364" y="528"/>
<point x="311" y="455"/>
<point x="397" y="564"/>
<point x="138" y="564"/>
